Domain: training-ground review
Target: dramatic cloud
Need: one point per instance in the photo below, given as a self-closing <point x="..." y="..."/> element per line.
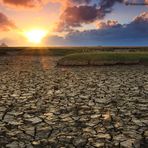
<point x="5" y="23"/>
<point x="134" y="33"/>
<point x="78" y="12"/>
<point x="76" y="15"/>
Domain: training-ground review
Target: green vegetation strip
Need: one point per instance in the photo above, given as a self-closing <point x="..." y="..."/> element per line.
<point x="104" y="58"/>
<point x="63" y="51"/>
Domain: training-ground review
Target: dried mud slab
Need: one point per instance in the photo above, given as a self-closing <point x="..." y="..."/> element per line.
<point x="45" y="106"/>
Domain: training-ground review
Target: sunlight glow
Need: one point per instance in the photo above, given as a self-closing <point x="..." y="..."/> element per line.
<point x="35" y="36"/>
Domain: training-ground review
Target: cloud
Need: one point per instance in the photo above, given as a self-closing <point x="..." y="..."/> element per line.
<point x="134" y="33"/>
<point x="5" y="23"/>
<point x="108" y="24"/>
<point x="76" y="15"/>
<point x="71" y="2"/>
<point x="83" y="12"/>
<point x="141" y="18"/>
<point x="38" y="3"/>
<point x="103" y="4"/>
<point x="108" y="4"/>
<point x="24" y="3"/>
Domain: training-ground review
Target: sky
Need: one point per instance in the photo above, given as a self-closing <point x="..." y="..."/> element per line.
<point x="73" y="23"/>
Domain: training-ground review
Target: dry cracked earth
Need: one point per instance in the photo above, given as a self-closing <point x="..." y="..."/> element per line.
<point x="43" y="106"/>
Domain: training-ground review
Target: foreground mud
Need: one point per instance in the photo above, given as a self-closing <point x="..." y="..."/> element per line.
<point x="47" y="107"/>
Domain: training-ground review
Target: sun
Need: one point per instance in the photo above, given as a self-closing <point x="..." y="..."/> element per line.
<point x="35" y="36"/>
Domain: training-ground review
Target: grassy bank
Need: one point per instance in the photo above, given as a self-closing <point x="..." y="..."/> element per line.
<point x="104" y="58"/>
<point x="63" y="51"/>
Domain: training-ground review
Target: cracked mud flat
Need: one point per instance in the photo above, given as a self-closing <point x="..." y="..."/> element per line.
<point x="47" y="107"/>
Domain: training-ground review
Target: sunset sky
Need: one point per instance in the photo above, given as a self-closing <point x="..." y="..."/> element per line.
<point x="73" y="23"/>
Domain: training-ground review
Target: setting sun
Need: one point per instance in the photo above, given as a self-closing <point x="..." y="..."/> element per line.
<point x="35" y="36"/>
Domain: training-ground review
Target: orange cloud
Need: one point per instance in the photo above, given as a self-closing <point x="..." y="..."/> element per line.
<point x="24" y="3"/>
<point x="5" y="23"/>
